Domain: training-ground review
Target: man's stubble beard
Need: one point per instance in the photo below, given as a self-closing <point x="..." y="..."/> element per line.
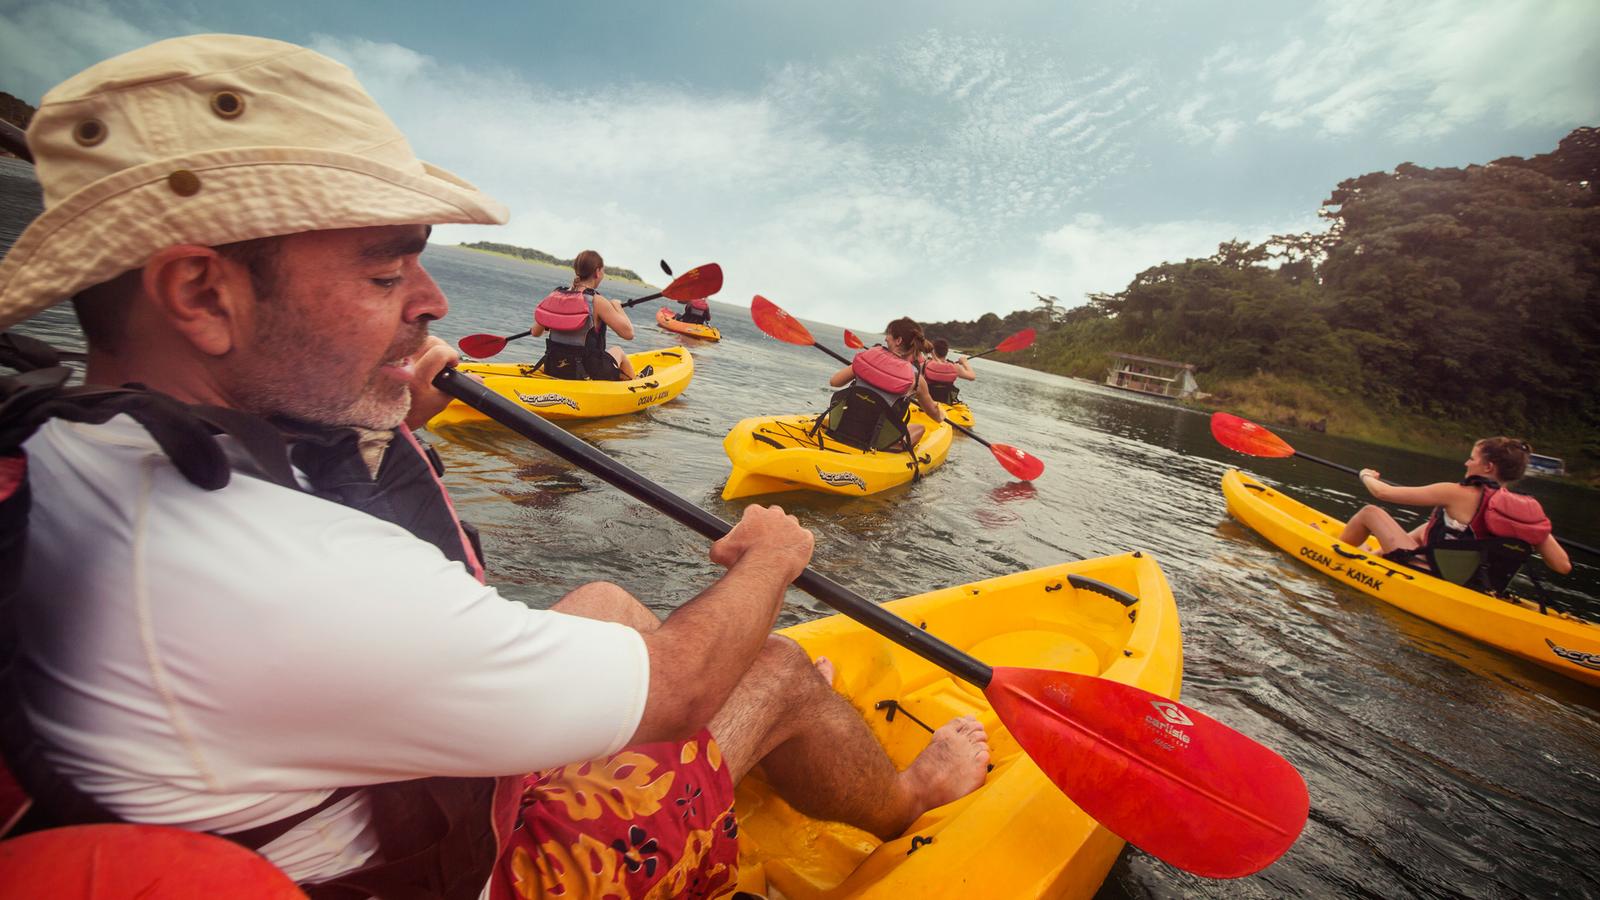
<point x="290" y="371"/>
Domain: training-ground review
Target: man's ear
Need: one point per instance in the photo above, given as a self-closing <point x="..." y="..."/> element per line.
<point x="203" y="295"/>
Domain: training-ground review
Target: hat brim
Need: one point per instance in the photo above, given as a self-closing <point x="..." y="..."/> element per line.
<point x="118" y="223"/>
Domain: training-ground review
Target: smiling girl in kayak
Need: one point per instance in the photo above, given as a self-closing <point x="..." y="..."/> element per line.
<point x="576" y="320"/>
<point x="879" y="385"/>
<point x="1475" y="509"/>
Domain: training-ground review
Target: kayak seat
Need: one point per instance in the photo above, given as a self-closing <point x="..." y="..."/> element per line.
<point x="1482" y="565"/>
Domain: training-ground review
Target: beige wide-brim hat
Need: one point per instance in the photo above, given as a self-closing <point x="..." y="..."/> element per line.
<point x="208" y="140"/>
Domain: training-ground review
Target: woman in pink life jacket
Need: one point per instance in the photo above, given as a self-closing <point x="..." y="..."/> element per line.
<point x="1476" y="508"/>
<point x="695" y="312"/>
<point x="942" y="373"/>
<point x="575" y="320"/>
<point x="880" y="384"/>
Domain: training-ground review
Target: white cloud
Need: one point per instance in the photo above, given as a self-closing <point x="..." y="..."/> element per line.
<point x="1414" y="70"/>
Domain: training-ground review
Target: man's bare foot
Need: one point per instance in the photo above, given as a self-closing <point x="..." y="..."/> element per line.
<point x="825" y="669"/>
<point x="952" y="766"/>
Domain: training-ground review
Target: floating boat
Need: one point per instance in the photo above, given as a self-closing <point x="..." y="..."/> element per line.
<point x="1551" y="638"/>
<point x="1018" y="835"/>
<point x="669" y="320"/>
<point x="771" y="454"/>
<point x="957" y="413"/>
<point x="561" y="398"/>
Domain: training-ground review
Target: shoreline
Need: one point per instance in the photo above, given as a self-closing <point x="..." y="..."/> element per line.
<point x="1277" y="401"/>
<point x="535" y="262"/>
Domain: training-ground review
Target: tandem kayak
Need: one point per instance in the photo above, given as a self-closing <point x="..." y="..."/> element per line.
<point x="667" y="319"/>
<point x="1550" y="638"/>
<point x="1018" y="835"/>
<point x="779" y="453"/>
<point x="560" y="398"/>
<point x="957" y="413"/>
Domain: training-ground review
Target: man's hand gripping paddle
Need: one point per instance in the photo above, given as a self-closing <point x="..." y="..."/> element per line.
<point x="696" y="284"/>
<point x="779" y="324"/>
<point x="1166" y="778"/>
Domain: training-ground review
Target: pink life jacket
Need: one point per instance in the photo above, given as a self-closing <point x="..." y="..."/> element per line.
<point x="1505" y="514"/>
<point x="878" y="368"/>
<point x="568" y="314"/>
<point x="940" y="371"/>
<point x="699" y="304"/>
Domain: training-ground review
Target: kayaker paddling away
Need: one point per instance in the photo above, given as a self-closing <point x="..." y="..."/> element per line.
<point x="282" y="635"/>
<point x="575" y="320"/>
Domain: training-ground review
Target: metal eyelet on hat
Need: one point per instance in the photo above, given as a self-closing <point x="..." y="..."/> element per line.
<point x="89" y="132"/>
<point x="227" y="104"/>
<point x="184" y="183"/>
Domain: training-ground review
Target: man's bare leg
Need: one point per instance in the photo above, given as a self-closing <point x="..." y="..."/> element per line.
<point x="609" y="603"/>
<point x="816" y="751"/>
<point x="821" y="757"/>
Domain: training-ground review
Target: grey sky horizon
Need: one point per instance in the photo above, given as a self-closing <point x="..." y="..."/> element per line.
<point x="938" y="160"/>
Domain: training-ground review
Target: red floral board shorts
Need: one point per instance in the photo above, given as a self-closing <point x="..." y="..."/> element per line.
<point x="653" y="820"/>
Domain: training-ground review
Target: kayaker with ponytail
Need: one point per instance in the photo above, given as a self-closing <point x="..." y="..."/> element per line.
<point x="576" y="318"/>
<point x="942" y="373"/>
<point x="879" y="385"/>
<point x="1475" y="509"/>
<point x="283" y="635"/>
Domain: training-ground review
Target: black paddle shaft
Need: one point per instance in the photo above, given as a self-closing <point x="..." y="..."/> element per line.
<point x="552" y="438"/>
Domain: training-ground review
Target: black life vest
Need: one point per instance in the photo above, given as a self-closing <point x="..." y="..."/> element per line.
<point x="437" y="836"/>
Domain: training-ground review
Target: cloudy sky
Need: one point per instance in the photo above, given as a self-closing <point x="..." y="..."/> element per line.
<point x="858" y="161"/>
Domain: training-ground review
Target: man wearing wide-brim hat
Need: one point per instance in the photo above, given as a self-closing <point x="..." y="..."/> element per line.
<point x="305" y="659"/>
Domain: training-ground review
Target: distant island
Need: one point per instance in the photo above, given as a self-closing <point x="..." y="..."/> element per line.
<point x="539" y="256"/>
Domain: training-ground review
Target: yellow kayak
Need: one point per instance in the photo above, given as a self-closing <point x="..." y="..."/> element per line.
<point x="1552" y="639"/>
<point x="957" y="413"/>
<point x="778" y="453"/>
<point x="1018" y="835"/>
<point x="668" y="320"/>
<point x="560" y="398"/>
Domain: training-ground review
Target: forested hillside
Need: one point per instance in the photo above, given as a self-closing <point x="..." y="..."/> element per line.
<point x="1467" y="300"/>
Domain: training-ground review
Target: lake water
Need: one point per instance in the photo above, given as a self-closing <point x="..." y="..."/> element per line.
<point x="1437" y="766"/>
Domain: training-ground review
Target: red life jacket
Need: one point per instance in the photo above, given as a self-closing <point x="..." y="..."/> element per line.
<point x="1501" y="513"/>
<point x="878" y="368"/>
<point x="569" y="315"/>
<point x="940" y="371"/>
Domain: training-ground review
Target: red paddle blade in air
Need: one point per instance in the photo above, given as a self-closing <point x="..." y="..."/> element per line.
<point x="1020" y="463"/>
<point x="1244" y="436"/>
<point x="1172" y="781"/>
<point x="777" y="323"/>
<point x="480" y="346"/>
<point x="696" y="284"/>
<point x="853" y="342"/>
<point x="1017" y="341"/>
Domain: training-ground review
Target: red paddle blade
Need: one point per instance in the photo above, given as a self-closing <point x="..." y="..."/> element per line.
<point x="1017" y="341"/>
<point x="696" y="284"/>
<point x="777" y="323"/>
<point x="1173" y="782"/>
<point x="479" y="346"/>
<point x="853" y="342"/>
<point x="1020" y="463"/>
<point x="1244" y="436"/>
